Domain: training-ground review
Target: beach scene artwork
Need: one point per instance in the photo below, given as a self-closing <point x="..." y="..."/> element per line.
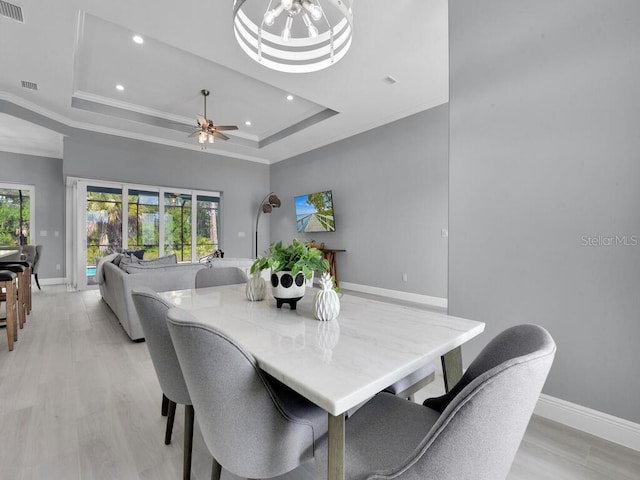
<point x="314" y="212"/>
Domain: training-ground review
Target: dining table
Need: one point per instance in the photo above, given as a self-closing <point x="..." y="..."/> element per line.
<point x="8" y="253"/>
<point x="338" y="364"/>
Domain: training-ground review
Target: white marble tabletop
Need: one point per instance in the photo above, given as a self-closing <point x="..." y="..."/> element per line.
<point x="339" y="364"/>
<point x="6" y="253"/>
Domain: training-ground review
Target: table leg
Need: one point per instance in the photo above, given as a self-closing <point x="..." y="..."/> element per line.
<point x="452" y="367"/>
<point x="336" y="447"/>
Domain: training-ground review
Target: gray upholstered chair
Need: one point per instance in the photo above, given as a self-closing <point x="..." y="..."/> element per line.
<point x="217" y="276"/>
<point x="152" y="311"/>
<point x="253" y="425"/>
<point x="408" y="386"/>
<point x="472" y="432"/>
<point x="33" y="253"/>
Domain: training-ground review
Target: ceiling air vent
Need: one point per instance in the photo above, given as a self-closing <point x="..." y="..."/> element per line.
<point x="29" y="85"/>
<point x="12" y="11"/>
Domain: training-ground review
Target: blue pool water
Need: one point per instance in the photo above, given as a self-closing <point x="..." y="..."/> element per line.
<point x="91" y="271"/>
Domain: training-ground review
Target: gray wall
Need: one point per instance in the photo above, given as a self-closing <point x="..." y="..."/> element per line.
<point x="243" y="184"/>
<point x="390" y="201"/>
<point x="46" y="176"/>
<point x="544" y="146"/>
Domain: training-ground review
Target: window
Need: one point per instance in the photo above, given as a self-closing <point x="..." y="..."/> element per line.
<point x="144" y="222"/>
<point x="15" y="214"/>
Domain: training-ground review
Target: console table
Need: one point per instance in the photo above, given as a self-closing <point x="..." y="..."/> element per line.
<point x="330" y="255"/>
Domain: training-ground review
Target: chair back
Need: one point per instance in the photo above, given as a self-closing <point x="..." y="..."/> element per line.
<point x="485" y="415"/>
<point x="152" y="311"/>
<point x="244" y="424"/>
<point x="217" y="276"/>
<point x="30" y="253"/>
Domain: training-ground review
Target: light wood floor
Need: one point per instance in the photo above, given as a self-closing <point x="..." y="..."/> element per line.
<point x="79" y="400"/>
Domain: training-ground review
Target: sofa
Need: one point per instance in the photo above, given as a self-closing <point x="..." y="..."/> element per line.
<point x="118" y="274"/>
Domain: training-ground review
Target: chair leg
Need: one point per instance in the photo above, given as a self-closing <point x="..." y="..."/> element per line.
<point x="216" y="470"/>
<point x="12" y="331"/>
<point x="170" y="416"/>
<point x="165" y="405"/>
<point x="37" y="282"/>
<point x="188" y="441"/>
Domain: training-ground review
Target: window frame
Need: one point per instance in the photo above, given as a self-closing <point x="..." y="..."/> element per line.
<point x="32" y="206"/>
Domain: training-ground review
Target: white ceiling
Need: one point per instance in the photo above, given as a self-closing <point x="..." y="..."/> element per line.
<point x="78" y="50"/>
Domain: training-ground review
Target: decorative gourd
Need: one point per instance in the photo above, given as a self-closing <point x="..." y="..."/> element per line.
<point x="256" y="287"/>
<point x="326" y="304"/>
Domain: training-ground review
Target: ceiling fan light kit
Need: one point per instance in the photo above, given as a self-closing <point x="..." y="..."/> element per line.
<point x="294" y="36"/>
<point x="206" y="130"/>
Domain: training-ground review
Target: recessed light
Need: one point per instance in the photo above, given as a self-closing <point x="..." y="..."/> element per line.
<point x="289" y="97"/>
<point x="247" y="123"/>
<point x="119" y="87"/>
<point x="138" y="39"/>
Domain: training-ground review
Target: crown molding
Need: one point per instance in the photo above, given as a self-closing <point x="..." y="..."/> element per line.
<point x="21" y="102"/>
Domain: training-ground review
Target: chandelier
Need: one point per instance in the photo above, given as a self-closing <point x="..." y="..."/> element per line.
<point x="294" y="36"/>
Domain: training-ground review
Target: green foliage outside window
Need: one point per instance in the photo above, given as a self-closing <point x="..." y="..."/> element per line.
<point x="14" y="217"/>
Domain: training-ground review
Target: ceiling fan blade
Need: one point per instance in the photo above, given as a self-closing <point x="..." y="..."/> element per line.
<point x="225" y="127"/>
<point x="222" y="136"/>
<point x="194" y="133"/>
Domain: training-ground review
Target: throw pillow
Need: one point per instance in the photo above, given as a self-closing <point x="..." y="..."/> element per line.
<point x="138" y="253"/>
<point x="127" y="259"/>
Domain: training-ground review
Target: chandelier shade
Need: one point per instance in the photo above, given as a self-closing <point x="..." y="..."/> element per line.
<point x="294" y="36"/>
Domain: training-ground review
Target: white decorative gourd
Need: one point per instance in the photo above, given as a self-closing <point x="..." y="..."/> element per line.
<point x="326" y="304"/>
<point x="256" y="287"/>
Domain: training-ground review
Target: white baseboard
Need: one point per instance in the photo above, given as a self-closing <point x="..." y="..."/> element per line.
<point x="599" y="424"/>
<point x="49" y="281"/>
<point x="406" y="296"/>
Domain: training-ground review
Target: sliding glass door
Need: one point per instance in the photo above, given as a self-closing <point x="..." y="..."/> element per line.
<point x="107" y="217"/>
<point x="177" y="225"/>
<point x="144" y="222"/>
<point x="103" y="226"/>
<point x="208" y="215"/>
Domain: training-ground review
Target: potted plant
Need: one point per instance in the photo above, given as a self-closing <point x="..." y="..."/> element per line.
<point x="290" y="265"/>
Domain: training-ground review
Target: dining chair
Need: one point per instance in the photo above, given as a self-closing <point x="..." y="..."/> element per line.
<point x="22" y="293"/>
<point x="408" y="386"/>
<point x="217" y="276"/>
<point x="152" y="312"/>
<point x="8" y="295"/>
<point x="253" y="425"/>
<point x="36" y="263"/>
<point x="471" y="432"/>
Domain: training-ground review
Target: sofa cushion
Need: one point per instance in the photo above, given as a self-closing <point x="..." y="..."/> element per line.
<point x="166" y="260"/>
<point x="128" y="260"/>
<point x="140" y="268"/>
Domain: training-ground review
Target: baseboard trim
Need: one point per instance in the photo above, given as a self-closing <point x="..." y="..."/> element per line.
<point x="49" y="281"/>
<point x="599" y="424"/>
<point x="406" y="296"/>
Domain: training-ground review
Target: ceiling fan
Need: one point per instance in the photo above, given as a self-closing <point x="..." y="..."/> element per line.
<point x="206" y="130"/>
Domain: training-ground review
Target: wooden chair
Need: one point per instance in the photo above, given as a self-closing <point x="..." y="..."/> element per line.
<point x="8" y="287"/>
<point x="22" y="292"/>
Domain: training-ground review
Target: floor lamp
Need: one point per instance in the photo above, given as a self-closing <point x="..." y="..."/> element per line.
<point x="268" y="203"/>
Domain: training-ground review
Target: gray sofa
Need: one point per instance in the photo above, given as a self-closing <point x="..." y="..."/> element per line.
<point x="116" y="285"/>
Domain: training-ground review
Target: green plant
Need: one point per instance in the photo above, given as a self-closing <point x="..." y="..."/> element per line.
<point x="297" y="257"/>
